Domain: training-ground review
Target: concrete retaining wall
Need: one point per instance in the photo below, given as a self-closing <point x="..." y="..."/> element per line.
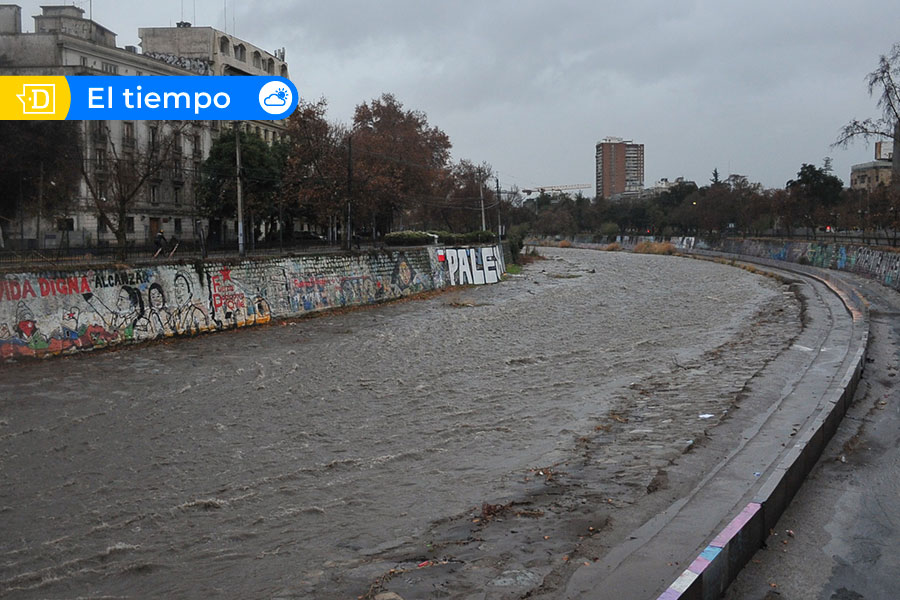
<point x="718" y="565"/>
<point x="51" y="313"/>
<point x="881" y="265"/>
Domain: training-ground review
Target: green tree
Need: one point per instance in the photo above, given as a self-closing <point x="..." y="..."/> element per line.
<point x="813" y="194"/>
<point x="40" y="168"/>
<point x="261" y="170"/>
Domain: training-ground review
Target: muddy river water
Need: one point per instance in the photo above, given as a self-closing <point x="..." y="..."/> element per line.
<point x="268" y="462"/>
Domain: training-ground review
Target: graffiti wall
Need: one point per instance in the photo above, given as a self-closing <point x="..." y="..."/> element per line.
<point x="54" y="313"/>
<point x="881" y="265"/>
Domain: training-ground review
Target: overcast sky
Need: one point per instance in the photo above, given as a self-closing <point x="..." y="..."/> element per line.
<point x="755" y="88"/>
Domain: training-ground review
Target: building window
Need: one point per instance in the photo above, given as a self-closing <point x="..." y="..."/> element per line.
<point x="65" y="224"/>
<point x="177" y="194"/>
<point x="177" y="223"/>
<point x="128" y="134"/>
<point x="129" y="224"/>
<point x="154" y="194"/>
<point x="224" y="44"/>
<point x="154" y="135"/>
<point x="84" y="61"/>
<point x="98" y="131"/>
<point x="109" y="68"/>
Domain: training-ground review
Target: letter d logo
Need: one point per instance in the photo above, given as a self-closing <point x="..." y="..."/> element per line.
<point x="38" y="98"/>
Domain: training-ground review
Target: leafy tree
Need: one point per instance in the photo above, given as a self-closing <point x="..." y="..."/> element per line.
<point x="39" y="168"/>
<point x="813" y="194"/>
<point x="885" y="80"/>
<point x="261" y="168"/>
<point x="398" y="157"/>
<point x="316" y="172"/>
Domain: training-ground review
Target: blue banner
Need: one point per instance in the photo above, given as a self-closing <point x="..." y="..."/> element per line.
<point x="156" y="97"/>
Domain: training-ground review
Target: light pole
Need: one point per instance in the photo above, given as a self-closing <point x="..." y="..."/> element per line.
<point x="240" y="197"/>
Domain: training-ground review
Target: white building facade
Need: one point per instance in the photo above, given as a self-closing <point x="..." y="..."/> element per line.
<point x="65" y="43"/>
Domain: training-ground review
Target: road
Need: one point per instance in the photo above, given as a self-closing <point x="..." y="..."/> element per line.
<point x="449" y="446"/>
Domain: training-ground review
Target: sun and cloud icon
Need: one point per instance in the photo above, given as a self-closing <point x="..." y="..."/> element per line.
<point x="275" y="98"/>
<point x="279" y="98"/>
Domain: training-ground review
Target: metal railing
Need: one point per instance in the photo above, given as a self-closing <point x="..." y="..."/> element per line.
<point x="65" y="257"/>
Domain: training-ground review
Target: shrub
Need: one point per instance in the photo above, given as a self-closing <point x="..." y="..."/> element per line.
<point x="654" y="248"/>
<point x="614" y="247"/>
<point x="463" y="239"/>
<point x="516" y="237"/>
<point x="609" y="229"/>
<point x="408" y="238"/>
<point x="565" y="244"/>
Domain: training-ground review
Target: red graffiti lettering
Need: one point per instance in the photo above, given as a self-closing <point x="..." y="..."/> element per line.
<point x="230" y="302"/>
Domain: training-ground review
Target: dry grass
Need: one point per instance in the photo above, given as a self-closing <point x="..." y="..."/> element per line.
<point x="565" y="244"/>
<point x="655" y="248"/>
<point x="614" y="247"/>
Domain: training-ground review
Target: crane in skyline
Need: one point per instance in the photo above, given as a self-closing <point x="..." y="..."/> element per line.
<point x="556" y="188"/>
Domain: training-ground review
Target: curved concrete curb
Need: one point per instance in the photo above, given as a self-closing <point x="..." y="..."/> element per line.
<point x="717" y="566"/>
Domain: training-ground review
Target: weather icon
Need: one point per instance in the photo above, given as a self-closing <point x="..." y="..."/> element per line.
<point x="279" y="98"/>
<point x="275" y="98"/>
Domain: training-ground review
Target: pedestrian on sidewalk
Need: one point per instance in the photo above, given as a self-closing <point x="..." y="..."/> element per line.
<point x="159" y="242"/>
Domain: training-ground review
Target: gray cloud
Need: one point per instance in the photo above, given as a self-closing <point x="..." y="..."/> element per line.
<point x="756" y="88"/>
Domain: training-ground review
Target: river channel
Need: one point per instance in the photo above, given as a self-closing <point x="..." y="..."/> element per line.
<point x="267" y="462"/>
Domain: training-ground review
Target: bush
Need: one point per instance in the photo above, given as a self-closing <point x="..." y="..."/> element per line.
<point x="516" y="237"/>
<point x="609" y="229"/>
<point x="614" y="247"/>
<point x="408" y="238"/>
<point x="565" y="244"/>
<point x="654" y="248"/>
<point x="465" y="239"/>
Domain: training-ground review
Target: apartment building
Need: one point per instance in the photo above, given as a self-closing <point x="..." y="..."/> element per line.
<point x="620" y="168"/>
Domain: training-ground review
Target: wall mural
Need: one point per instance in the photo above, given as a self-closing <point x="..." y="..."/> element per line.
<point x="54" y="313"/>
<point x="881" y="265"/>
<point x="474" y="266"/>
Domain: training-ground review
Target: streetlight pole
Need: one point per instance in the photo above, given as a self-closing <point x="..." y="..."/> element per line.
<point x="240" y="196"/>
<point x="349" y="188"/>
<point x="481" y="194"/>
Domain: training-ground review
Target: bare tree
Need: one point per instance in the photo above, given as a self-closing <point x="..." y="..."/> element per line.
<point x="886" y="80"/>
<point x="116" y="176"/>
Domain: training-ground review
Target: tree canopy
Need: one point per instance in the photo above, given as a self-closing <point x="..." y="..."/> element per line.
<point x="39" y="167"/>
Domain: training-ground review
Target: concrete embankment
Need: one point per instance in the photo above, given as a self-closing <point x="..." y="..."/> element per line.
<point x="829" y="381"/>
<point x="49" y="313"/>
<point x="719" y="563"/>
